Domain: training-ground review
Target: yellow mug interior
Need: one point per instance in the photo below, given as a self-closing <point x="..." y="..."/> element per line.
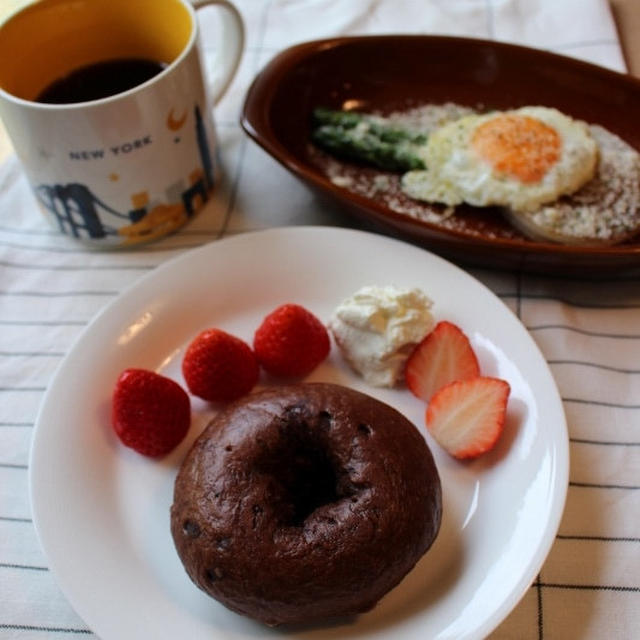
<point x="50" y="38"/>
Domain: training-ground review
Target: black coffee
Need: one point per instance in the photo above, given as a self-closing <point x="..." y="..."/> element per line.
<point x="100" y="80"/>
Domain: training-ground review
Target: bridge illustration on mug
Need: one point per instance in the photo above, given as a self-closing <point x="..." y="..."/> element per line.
<point x="80" y="213"/>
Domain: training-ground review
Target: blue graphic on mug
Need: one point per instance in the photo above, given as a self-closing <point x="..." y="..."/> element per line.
<point x="81" y="213"/>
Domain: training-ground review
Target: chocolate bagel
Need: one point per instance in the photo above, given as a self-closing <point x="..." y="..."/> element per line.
<point x="305" y="502"/>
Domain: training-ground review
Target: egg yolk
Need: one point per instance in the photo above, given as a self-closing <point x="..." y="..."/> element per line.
<point x="519" y="146"/>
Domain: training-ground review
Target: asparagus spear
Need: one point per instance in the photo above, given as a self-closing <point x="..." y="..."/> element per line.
<point x="350" y="119"/>
<point x="356" y="136"/>
<point x="346" y="119"/>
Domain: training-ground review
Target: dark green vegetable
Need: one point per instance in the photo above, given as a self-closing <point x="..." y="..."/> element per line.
<point x="357" y="136"/>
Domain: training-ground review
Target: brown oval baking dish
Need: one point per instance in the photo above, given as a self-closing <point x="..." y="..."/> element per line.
<point x="388" y="73"/>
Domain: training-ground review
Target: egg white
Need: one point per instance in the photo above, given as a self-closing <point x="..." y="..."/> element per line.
<point x="456" y="173"/>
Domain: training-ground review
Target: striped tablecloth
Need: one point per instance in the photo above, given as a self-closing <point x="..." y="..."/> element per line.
<point x="589" y="332"/>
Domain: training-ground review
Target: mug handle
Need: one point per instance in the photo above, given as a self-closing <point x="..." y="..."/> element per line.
<point x="231" y="46"/>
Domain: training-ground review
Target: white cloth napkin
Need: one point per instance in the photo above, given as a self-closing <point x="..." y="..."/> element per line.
<point x="51" y="287"/>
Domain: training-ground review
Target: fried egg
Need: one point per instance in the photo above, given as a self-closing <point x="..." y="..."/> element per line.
<point x="519" y="159"/>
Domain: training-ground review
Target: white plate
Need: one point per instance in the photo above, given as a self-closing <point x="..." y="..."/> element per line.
<point x="102" y="511"/>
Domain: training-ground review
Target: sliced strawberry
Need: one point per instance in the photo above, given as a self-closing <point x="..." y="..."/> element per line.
<point x="466" y="417"/>
<point x="443" y="356"/>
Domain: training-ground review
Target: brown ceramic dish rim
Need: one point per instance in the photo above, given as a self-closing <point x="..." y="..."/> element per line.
<point x="255" y="120"/>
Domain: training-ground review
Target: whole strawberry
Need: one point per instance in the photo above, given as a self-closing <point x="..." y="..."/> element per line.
<point x="291" y="342"/>
<point x="149" y="412"/>
<point x="219" y="367"/>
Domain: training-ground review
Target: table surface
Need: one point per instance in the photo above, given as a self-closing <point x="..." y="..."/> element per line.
<point x="51" y="289"/>
<point x="627" y="17"/>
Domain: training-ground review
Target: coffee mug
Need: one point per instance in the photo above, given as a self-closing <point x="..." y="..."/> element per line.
<point x="107" y="108"/>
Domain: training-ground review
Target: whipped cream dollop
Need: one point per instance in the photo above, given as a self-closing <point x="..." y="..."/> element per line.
<point x="377" y="327"/>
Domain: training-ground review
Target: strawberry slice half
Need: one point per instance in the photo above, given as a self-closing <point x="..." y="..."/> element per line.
<point x="443" y="356"/>
<point x="466" y="417"/>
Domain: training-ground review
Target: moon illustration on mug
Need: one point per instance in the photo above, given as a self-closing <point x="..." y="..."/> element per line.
<point x="174" y="123"/>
